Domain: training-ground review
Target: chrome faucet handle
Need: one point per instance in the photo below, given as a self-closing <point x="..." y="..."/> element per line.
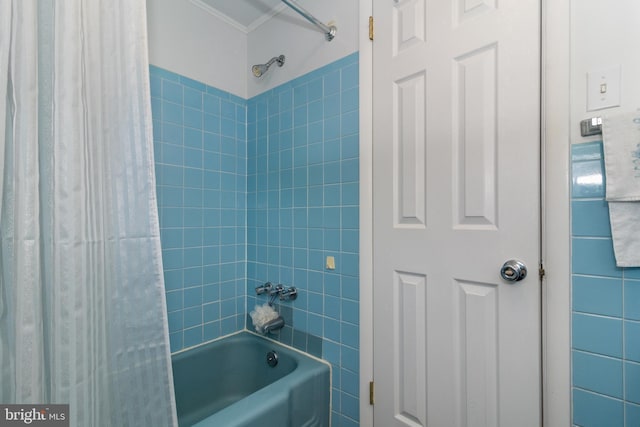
<point x="263" y="289"/>
<point x="277" y="290"/>
<point x="289" y="294"/>
<point x="274" y="292"/>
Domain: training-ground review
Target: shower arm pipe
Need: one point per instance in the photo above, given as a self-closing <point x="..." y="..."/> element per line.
<point x="279" y="59"/>
<point x="329" y="31"/>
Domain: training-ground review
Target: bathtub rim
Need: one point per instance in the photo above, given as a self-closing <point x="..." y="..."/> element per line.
<point x="242" y="331"/>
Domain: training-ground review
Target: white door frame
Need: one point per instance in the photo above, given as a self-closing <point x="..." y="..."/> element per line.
<point x="556" y="309"/>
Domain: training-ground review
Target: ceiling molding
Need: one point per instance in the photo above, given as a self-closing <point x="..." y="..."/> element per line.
<point x="221" y="16"/>
<point x="267" y="16"/>
<point x="235" y="24"/>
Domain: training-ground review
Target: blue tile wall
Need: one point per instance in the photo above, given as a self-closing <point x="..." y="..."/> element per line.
<point x="263" y="190"/>
<point x="201" y="160"/>
<point x="605" y="306"/>
<point x="302" y="206"/>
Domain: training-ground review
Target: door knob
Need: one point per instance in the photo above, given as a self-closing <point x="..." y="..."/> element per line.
<point x="513" y="270"/>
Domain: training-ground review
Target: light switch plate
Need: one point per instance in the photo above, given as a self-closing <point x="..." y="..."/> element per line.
<point x="603" y="88"/>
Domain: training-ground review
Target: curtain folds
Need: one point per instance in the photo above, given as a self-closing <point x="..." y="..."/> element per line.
<point x="82" y="312"/>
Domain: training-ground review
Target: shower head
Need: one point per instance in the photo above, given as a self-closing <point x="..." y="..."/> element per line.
<point x="259" y="69"/>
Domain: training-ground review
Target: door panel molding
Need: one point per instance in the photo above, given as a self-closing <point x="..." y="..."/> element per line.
<point x="477" y="336"/>
<point x="410" y="301"/>
<point x="409" y="146"/>
<point x="475" y="118"/>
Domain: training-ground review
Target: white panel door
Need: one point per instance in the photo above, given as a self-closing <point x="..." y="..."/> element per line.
<point x="456" y="194"/>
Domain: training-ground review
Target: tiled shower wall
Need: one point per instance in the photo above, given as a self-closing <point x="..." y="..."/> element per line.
<point x="302" y="207"/>
<point x="275" y="178"/>
<point x="200" y="153"/>
<point x="606" y="307"/>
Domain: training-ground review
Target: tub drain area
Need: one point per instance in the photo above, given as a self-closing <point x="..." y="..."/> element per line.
<point x="272" y="358"/>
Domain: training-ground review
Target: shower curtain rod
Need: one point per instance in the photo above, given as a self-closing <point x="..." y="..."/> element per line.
<point x="329" y="31"/>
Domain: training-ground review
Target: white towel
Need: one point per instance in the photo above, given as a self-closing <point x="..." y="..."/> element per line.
<point x="625" y="231"/>
<point x="621" y="135"/>
<point x="621" y="140"/>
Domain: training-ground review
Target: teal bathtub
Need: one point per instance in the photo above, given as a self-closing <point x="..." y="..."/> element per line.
<point x="228" y="383"/>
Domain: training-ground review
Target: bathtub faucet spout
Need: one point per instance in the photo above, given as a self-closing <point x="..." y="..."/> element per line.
<point x="273" y="325"/>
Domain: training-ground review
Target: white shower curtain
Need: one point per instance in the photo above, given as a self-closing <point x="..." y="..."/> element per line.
<point x="82" y="311"/>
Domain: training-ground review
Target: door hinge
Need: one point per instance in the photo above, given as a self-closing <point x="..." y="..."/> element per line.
<point x="371" y="393"/>
<point x="541" y="272"/>
<point x="371" y="28"/>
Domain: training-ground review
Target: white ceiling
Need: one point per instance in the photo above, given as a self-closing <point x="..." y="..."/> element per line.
<point x="245" y="15"/>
